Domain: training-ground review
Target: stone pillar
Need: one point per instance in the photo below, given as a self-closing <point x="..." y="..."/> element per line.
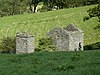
<point x="24" y="43"/>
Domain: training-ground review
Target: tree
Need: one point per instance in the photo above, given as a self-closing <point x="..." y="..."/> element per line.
<point x="35" y="3"/>
<point x="70" y="3"/>
<point x="89" y="2"/>
<point x="95" y="12"/>
<point x="11" y="7"/>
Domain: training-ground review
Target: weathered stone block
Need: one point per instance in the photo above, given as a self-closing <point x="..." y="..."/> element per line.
<point x="24" y="43"/>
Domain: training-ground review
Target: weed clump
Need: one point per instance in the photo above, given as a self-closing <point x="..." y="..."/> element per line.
<point x="64" y="67"/>
<point x="86" y="18"/>
<point x="76" y="57"/>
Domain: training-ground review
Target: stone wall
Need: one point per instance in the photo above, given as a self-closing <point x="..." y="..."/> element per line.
<point x="60" y="38"/>
<point x="67" y="39"/>
<point x="76" y="38"/>
<point x="24" y="43"/>
<point x="64" y="39"/>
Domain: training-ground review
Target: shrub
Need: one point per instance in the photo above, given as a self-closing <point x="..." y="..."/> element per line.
<point x="86" y="18"/>
<point x="45" y="44"/>
<point x="8" y="44"/>
<point x="43" y="9"/>
<point x="92" y="46"/>
<point x="94" y="11"/>
<point x="88" y="47"/>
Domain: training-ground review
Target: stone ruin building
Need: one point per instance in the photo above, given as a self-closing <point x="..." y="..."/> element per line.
<point x="67" y="39"/>
<point x="64" y="39"/>
<point x="24" y="43"/>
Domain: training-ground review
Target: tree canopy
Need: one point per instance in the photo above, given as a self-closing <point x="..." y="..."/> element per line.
<point x="13" y="7"/>
<point x="95" y="12"/>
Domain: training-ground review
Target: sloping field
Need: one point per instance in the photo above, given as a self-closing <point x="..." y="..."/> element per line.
<point x="41" y="23"/>
<point x="54" y="63"/>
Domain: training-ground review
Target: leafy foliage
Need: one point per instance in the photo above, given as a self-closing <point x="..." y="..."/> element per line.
<point x="86" y="18"/>
<point x="8" y="44"/>
<point x="13" y="7"/>
<point x="70" y="3"/>
<point x="94" y="12"/>
<point x="93" y="46"/>
<point x="46" y="44"/>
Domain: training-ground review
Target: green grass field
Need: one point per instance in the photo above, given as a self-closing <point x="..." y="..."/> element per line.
<point x="54" y="63"/>
<point x="40" y="24"/>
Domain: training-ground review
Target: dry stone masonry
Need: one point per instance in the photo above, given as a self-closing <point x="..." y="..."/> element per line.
<point x="67" y="39"/>
<point x="64" y="39"/>
<point x="24" y="43"/>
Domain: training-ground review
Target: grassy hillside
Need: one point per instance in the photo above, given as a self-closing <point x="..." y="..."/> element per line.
<point x="41" y="23"/>
<point x="56" y="63"/>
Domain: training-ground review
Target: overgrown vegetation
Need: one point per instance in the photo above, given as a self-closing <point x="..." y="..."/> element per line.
<point x="94" y="12"/>
<point x="86" y="18"/>
<point x="45" y="44"/>
<point x="51" y="63"/>
<point x="8" y="45"/>
<point x="93" y="46"/>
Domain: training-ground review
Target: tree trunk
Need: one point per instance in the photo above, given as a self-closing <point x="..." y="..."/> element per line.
<point x="35" y="5"/>
<point x="30" y="7"/>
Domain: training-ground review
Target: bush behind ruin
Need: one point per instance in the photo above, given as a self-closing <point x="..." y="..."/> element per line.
<point x="8" y="44"/>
